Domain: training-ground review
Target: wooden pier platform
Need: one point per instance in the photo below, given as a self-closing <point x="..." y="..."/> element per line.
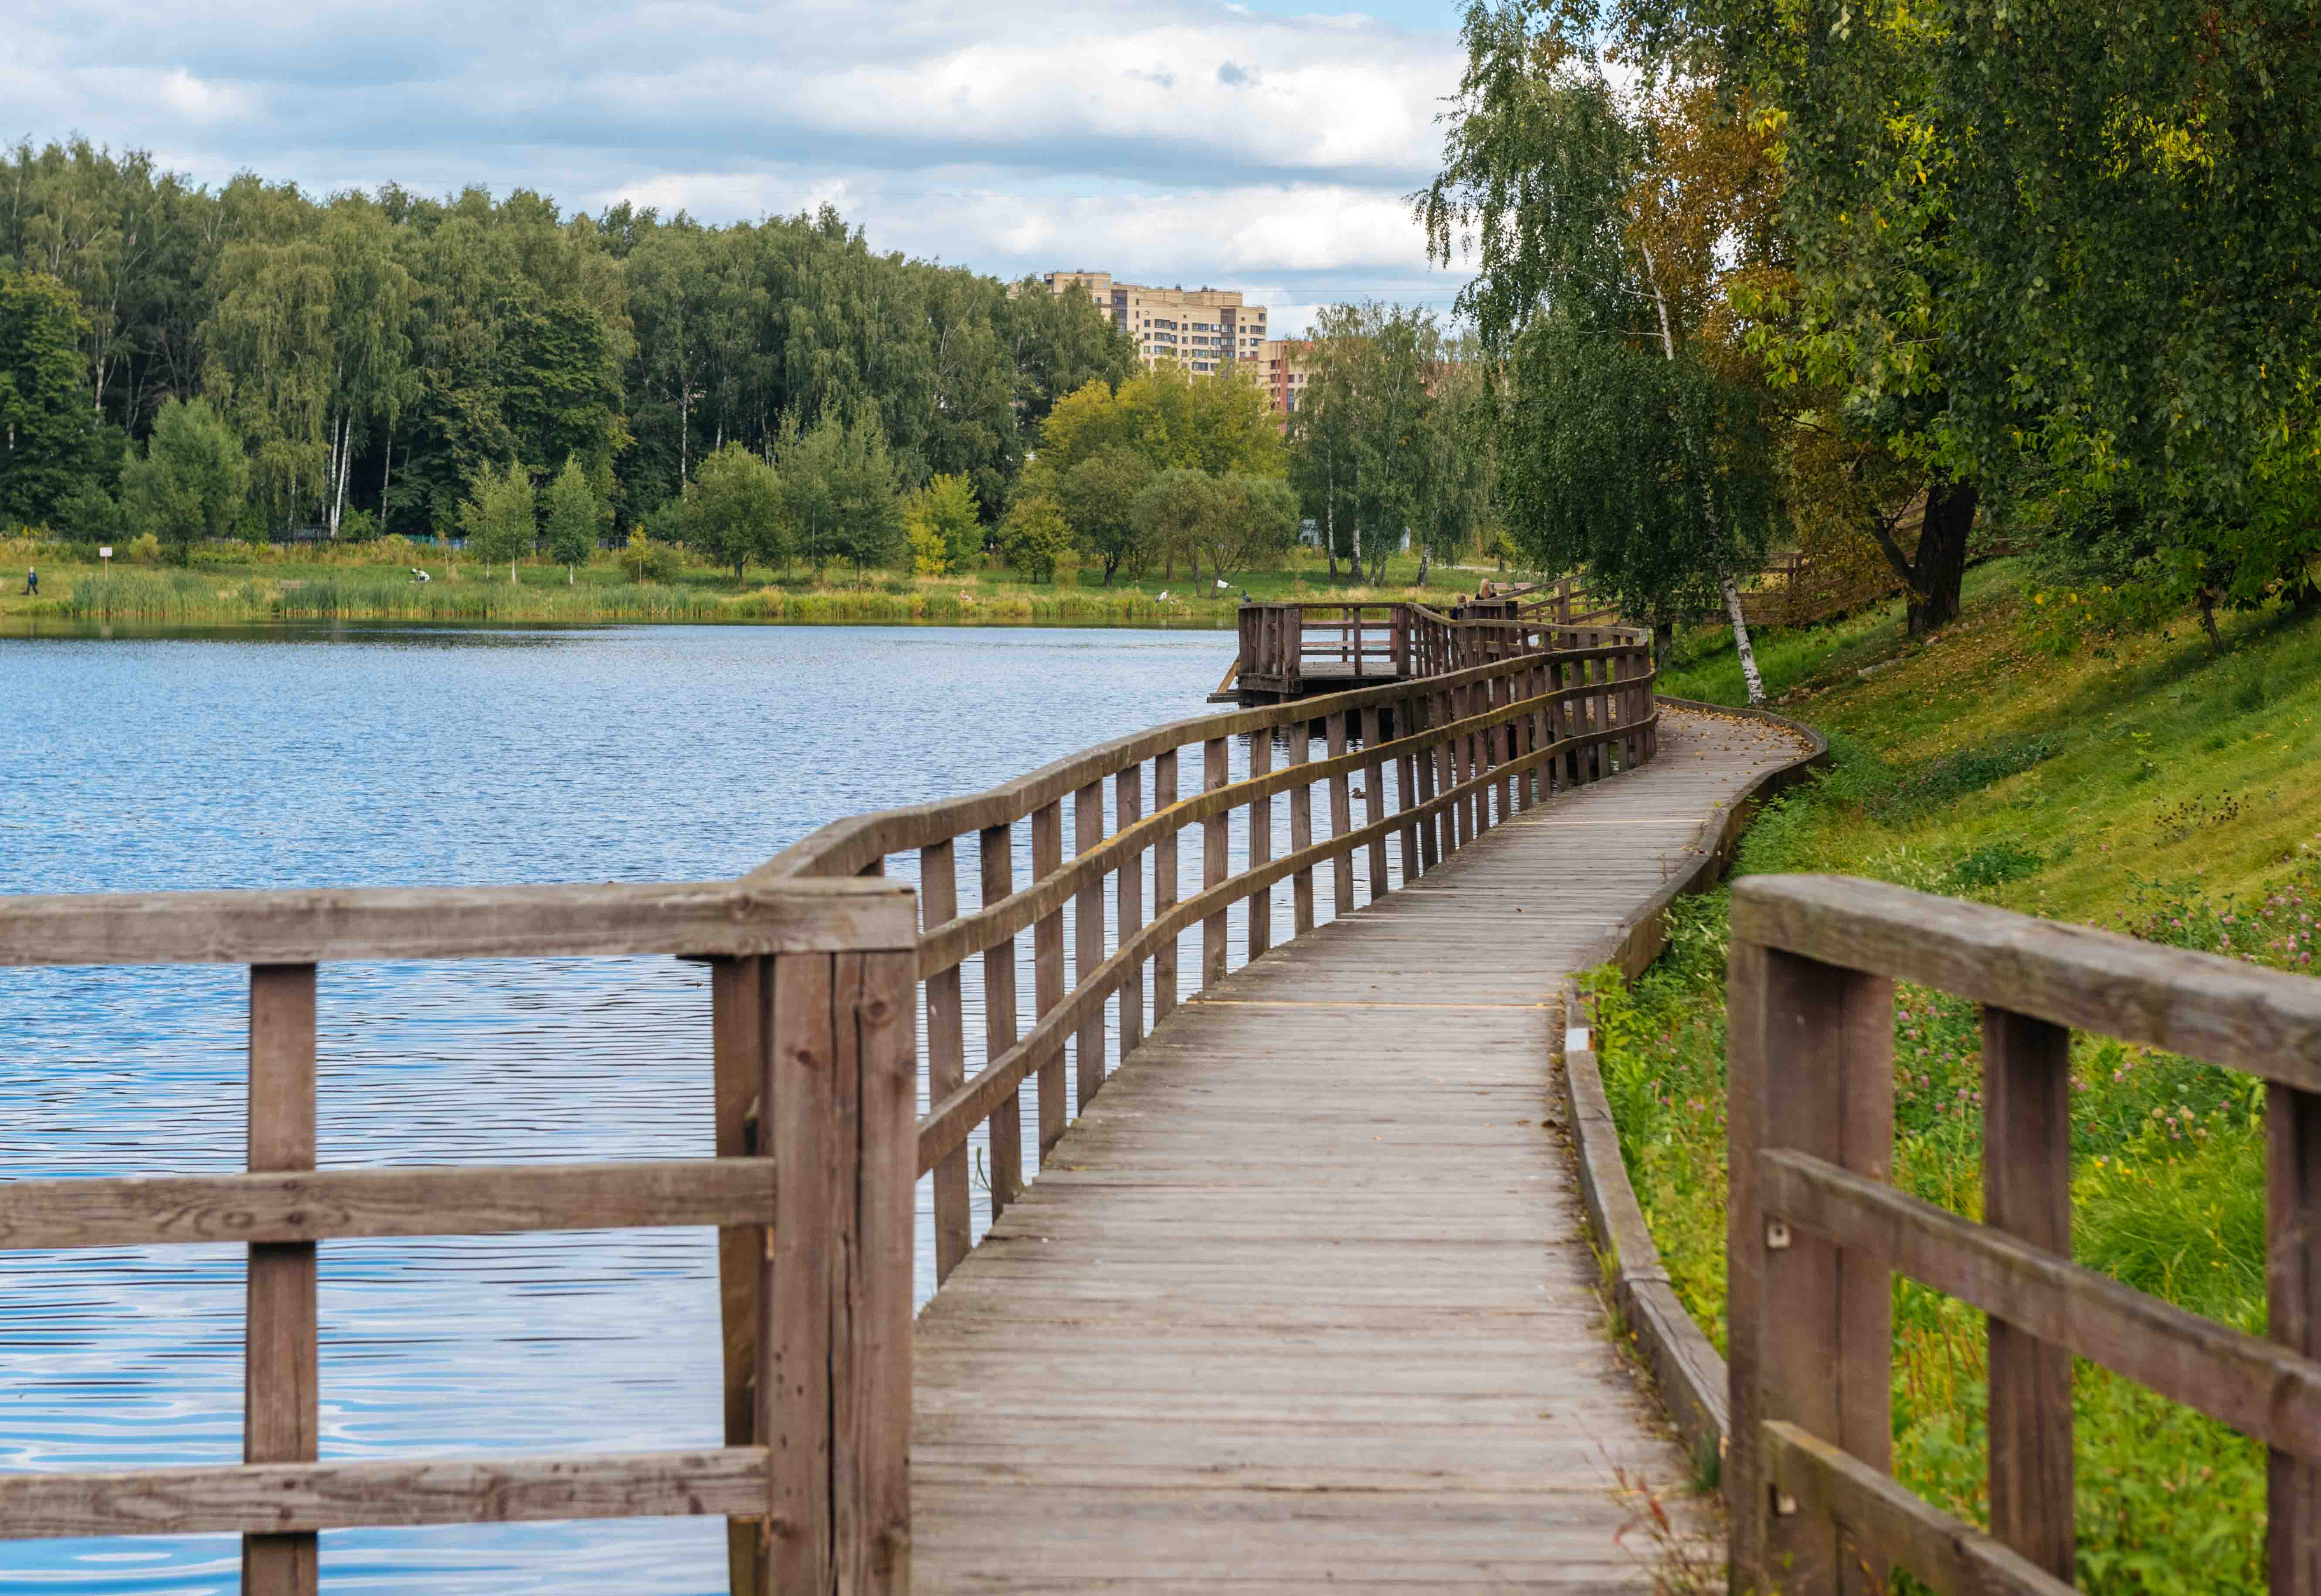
<point x="1303" y="1300"/>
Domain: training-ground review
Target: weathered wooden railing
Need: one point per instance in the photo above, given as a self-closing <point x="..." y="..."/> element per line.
<point x="1287" y="650"/>
<point x="1816" y="1232"/>
<point x="814" y="1196"/>
<point x="818" y="1146"/>
<point x="1439" y="762"/>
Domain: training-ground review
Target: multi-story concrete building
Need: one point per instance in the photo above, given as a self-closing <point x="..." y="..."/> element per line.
<point x="1284" y="368"/>
<point x="1203" y="330"/>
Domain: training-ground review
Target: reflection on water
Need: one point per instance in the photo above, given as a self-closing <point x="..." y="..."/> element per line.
<point x="358" y="755"/>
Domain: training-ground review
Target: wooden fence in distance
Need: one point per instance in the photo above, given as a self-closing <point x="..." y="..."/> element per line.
<point x="814" y="1015"/>
<point x="1816" y="1232"/>
<point x="1290" y="650"/>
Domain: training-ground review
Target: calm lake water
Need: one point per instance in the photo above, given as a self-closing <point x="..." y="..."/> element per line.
<point x="365" y="756"/>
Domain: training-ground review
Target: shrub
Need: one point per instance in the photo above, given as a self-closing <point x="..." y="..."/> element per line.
<point x="645" y="560"/>
<point x="145" y="549"/>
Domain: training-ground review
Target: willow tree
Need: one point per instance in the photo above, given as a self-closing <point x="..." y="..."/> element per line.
<point x="1552" y="181"/>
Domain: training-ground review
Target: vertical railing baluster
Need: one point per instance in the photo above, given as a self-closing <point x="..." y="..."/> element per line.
<point x="1087" y="941"/>
<point x="834" y="1380"/>
<point x="1128" y="898"/>
<point x="1047" y="968"/>
<point x="1405" y="793"/>
<point x="2292" y="1126"/>
<point x="1301" y="829"/>
<point x="946" y="1054"/>
<point x="281" y="1402"/>
<point x="1342" y="817"/>
<point x="737" y="1065"/>
<point x="1433" y="764"/>
<point x="2026" y="1192"/>
<point x="998" y="847"/>
<point x="1810" y="1337"/>
<point x="1164" y="885"/>
<point x="1216" y="771"/>
<point x="1261" y="844"/>
<point x="1374" y="796"/>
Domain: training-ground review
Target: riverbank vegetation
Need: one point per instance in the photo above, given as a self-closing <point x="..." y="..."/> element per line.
<point x="2078" y="754"/>
<point x="237" y="583"/>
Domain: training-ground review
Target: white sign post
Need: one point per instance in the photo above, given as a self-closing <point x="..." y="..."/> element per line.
<point x="106" y="555"/>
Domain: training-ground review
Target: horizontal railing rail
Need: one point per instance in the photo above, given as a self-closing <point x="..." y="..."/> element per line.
<point x="1818" y="1232"/>
<point x="812" y="1014"/>
<point x="1435" y="763"/>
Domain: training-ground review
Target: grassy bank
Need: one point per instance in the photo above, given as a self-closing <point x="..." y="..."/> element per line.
<point x="246" y="585"/>
<point x="2046" y="756"/>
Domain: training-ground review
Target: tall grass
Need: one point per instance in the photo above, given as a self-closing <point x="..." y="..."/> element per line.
<point x="2138" y="780"/>
<point x="190" y="596"/>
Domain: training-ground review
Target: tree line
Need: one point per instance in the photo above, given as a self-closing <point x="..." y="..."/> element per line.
<point x="1821" y="268"/>
<point x="365" y="362"/>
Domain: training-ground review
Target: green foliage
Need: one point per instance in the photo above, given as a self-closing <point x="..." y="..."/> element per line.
<point x="645" y="560"/>
<point x="944" y="525"/>
<point x="844" y="500"/>
<point x="1098" y="498"/>
<point x="574" y="516"/>
<point x="498" y="519"/>
<point x="193" y="480"/>
<point x="735" y="511"/>
<point x="1655" y="475"/>
<point x="1036" y="536"/>
<point x="381" y="352"/>
<point x="52" y="445"/>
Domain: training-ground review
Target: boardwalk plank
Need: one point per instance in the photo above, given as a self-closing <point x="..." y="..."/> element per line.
<point x="1302" y="1300"/>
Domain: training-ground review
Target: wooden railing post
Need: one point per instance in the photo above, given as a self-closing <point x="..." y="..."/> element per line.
<point x="1005" y="1176"/>
<point x="1216" y="771"/>
<point x="1342" y="817"/>
<point x="946" y="1056"/>
<point x="737" y="1051"/>
<point x="1301" y="830"/>
<point x="1164" y="885"/>
<point x="1374" y="797"/>
<point x="2026" y="1192"/>
<point x="1406" y="721"/>
<point x="1261" y="844"/>
<point x="1047" y="968"/>
<point x="1128" y="894"/>
<point x="281" y="1399"/>
<point x="1434" y="763"/>
<point x="1810" y="1338"/>
<point x="1087" y="941"/>
<point x="834" y="1388"/>
<point x="2293" y="1280"/>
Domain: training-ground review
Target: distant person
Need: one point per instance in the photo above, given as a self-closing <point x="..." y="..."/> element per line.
<point x="31" y="582"/>
<point x="417" y="575"/>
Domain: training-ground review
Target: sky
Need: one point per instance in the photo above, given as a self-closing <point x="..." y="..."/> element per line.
<point x="1253" y="146"/>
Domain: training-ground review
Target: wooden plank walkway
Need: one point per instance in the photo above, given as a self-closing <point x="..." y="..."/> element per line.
<point x="1303" y="1300"/>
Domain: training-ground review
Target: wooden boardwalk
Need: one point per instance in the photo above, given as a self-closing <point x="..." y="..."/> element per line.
<point x="1302" y="1300"/>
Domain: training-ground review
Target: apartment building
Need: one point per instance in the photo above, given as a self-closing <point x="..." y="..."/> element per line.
<point x="1284" y="366"/>
<point x="1203" y="330"/>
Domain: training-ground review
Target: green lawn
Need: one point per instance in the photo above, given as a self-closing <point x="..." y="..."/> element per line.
<point x="2137" y="780"/>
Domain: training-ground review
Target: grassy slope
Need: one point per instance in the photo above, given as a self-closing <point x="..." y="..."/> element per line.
<point x="307" y="584"/>
<point x="2136" y="782"/>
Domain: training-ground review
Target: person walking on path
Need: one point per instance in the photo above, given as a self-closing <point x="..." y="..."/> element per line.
<point x="31" y="582"/>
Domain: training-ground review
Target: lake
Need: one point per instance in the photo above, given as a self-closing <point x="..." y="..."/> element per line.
<point x="377" y="755"/>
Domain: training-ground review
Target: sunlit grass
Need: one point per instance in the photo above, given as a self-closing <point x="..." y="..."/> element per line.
<point x="2135" y="780"/>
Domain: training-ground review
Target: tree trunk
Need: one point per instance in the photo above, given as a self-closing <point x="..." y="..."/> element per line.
<point x="1742" y="645"/>
<point x="1422" y="553"/>
<point x="2209" y="619"/>
<point x="512" y="573"/>
<point x="1664" y="642"/>
<point x="1939" y="566"/>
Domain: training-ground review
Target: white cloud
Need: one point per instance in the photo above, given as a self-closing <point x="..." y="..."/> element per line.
<point x="1163" y="139"/>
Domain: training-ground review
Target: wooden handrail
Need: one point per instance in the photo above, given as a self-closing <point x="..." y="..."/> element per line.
<point x="816" y="1143"/>
<point x="1816" y="1230"/>
<point x="949" y="1122"/>
<point x="1500" y="722"/>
